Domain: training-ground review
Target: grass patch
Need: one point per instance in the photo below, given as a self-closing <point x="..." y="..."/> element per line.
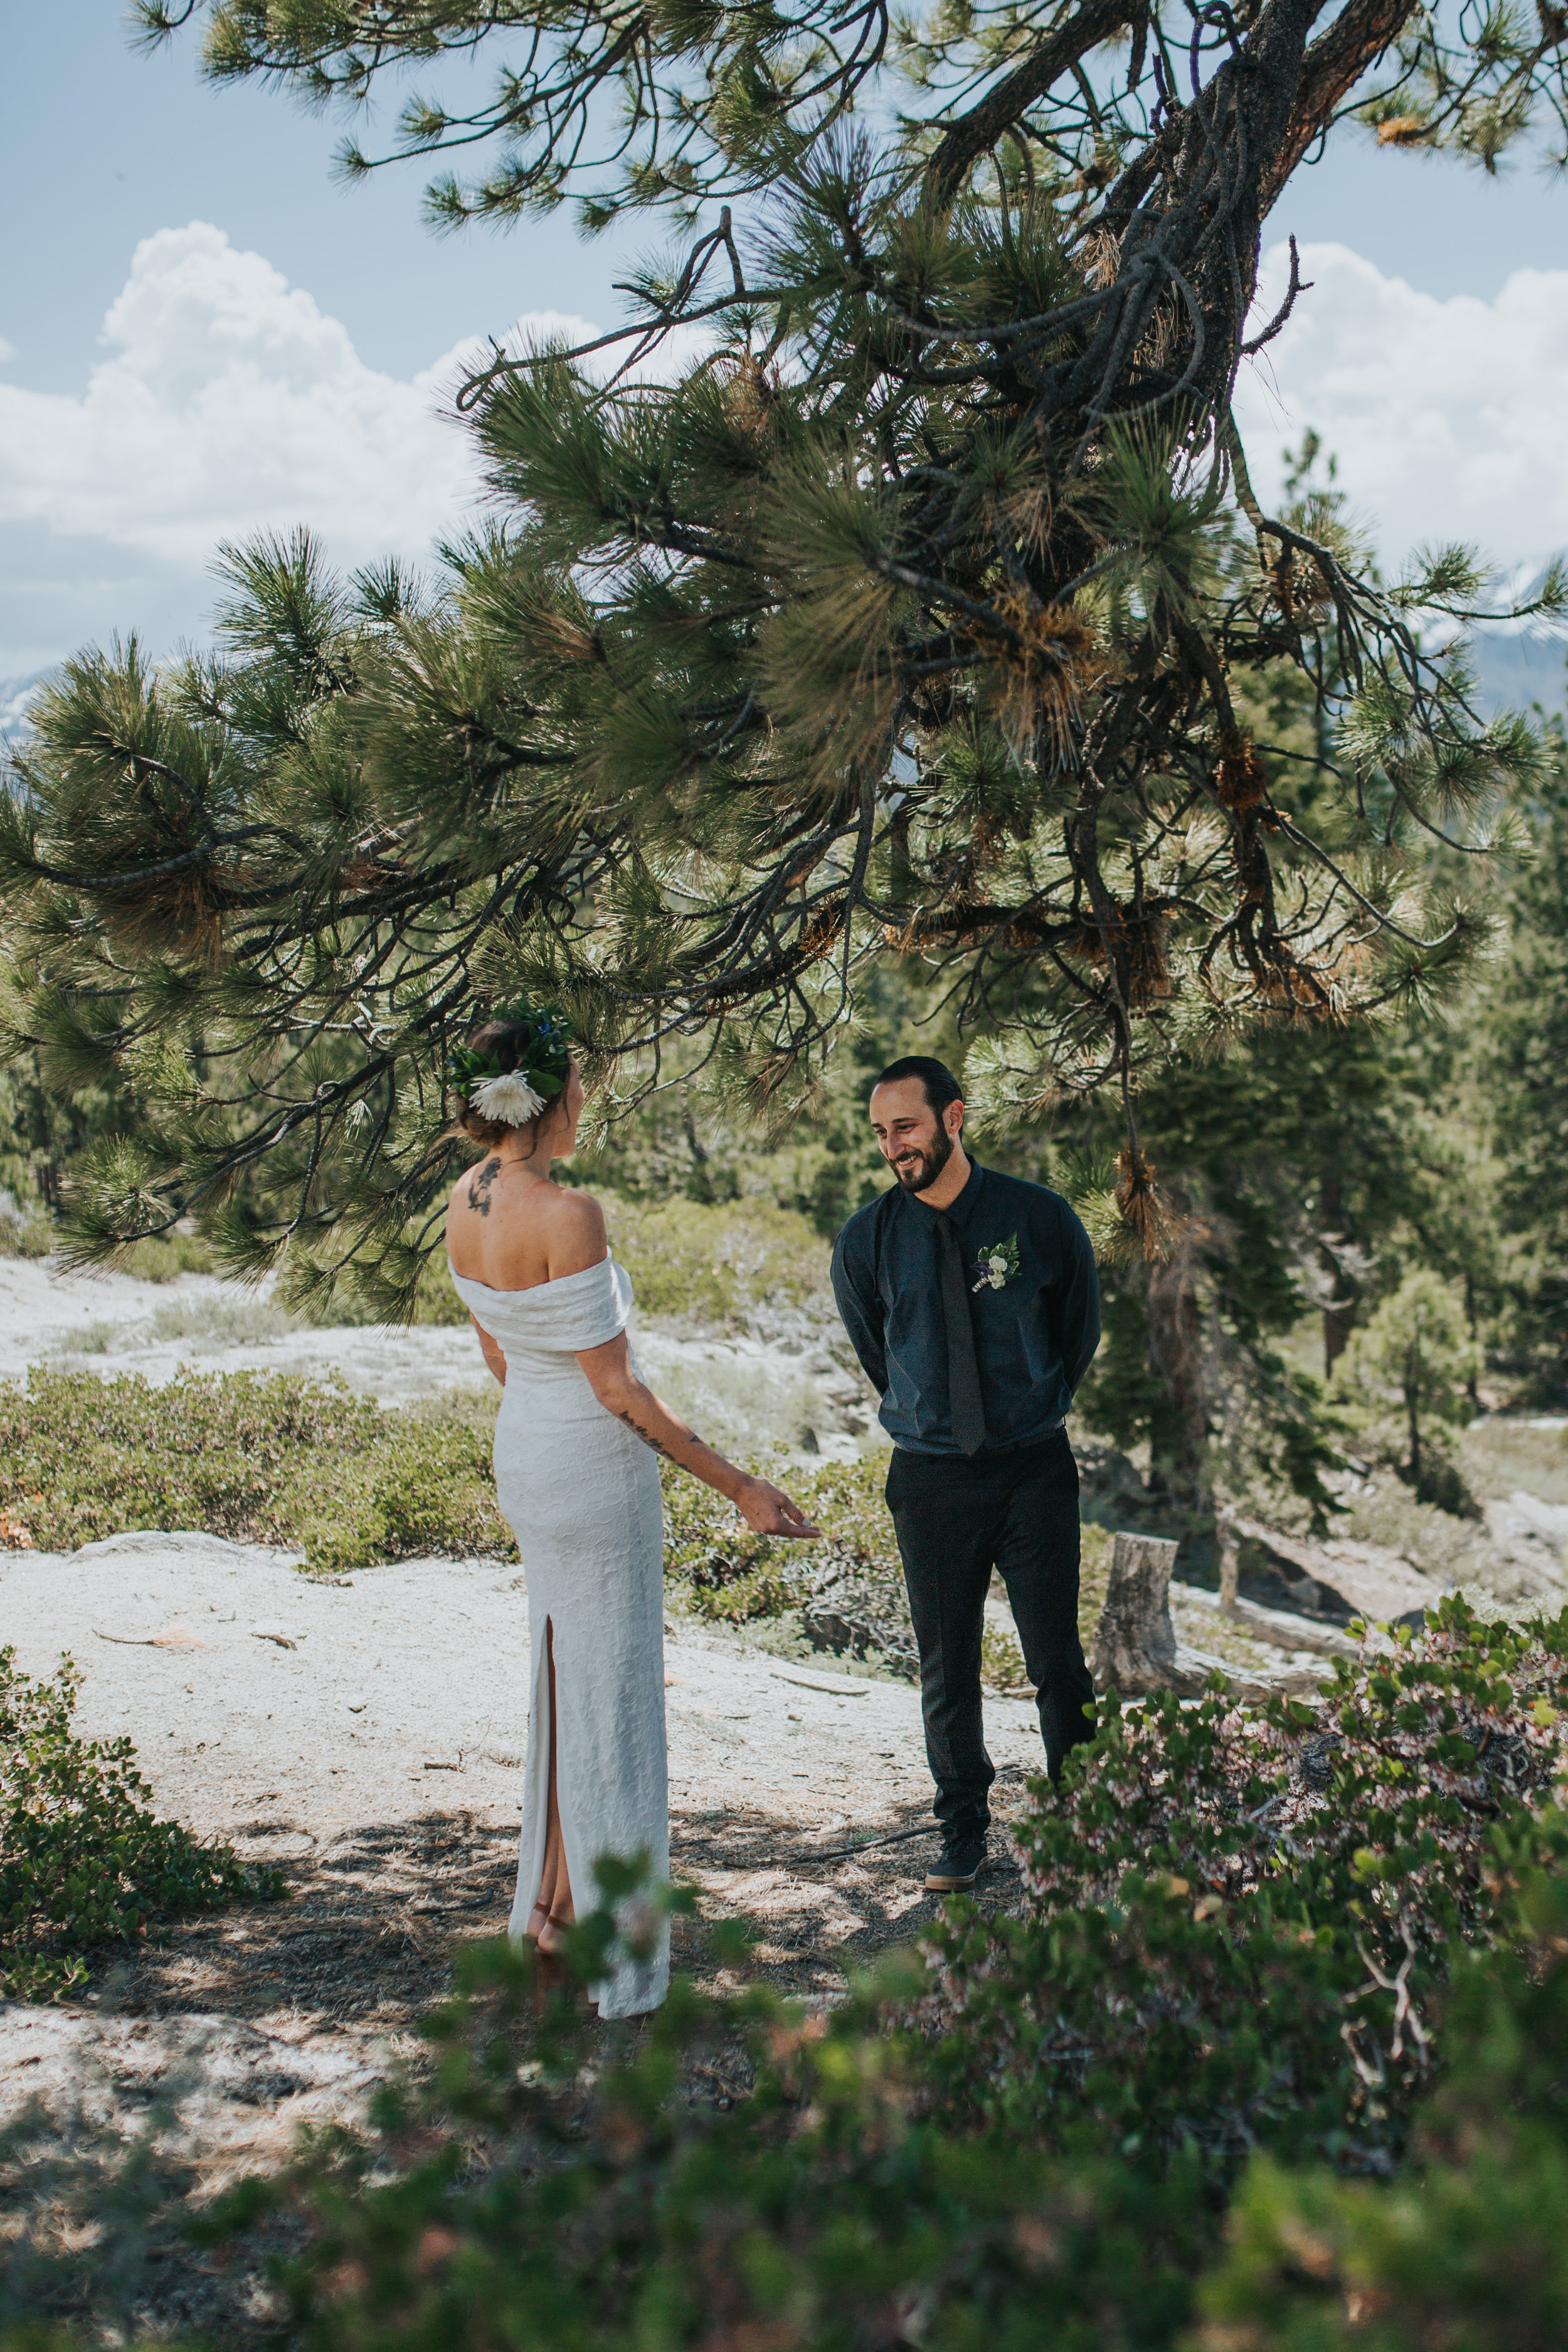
<point x="700" y="1265"/>
<point x="259" y="1458"/>
<point x="689" y="1263"/>
<point x="209" y="1323"/>
<point x="164" y="1257"/>
<point x="84" y="1860"/>
<point x="23" y="1233"/>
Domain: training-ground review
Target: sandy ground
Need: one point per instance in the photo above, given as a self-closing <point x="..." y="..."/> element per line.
<point x="257" y="1697"/>
<point x="368" y="1736"/>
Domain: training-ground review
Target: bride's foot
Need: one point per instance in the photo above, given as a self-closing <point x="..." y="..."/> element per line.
<point x="550" y="1936"/>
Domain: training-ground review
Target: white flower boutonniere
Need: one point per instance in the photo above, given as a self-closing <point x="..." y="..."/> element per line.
<point x="997" y="1263"/>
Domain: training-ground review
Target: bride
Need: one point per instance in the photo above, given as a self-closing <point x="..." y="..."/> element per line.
<point x="576" y="1478"/>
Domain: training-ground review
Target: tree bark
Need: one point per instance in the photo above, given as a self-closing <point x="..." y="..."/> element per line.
<point x="1135" y="1643"/>
<point x="1229" y="1558"/>
<point x="1336" y="1319"/>
<point x="1175" y="1351"/>
<point x="1332" y="65"/>
<point x="1002" y="108"/>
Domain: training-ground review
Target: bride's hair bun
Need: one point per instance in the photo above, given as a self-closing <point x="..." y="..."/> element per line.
<point x="511" y="1071"/>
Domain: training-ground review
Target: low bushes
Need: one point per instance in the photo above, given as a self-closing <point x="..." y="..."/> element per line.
<point x="84" y="1861"/>
<point x="1236" y="1926"/>
<point x="261" y="1459"/>
<point x="1274" y="2056"/>
<point x="846" y="1592"/>
<point x="716" y="1265"/>
<point x="277" y="1459"/>
<point x="1465" y="2247"/>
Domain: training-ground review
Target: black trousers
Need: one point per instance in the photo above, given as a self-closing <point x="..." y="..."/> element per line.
<point x="957" y="1518"/>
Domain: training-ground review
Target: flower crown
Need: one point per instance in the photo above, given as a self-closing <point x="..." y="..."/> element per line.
<point x="539" y="1074"/>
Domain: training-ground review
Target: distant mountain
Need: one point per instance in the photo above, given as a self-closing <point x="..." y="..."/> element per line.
<point x="1516" y="668"/>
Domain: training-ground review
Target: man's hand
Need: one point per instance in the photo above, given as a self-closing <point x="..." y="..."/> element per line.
<point x="769" y="1510"/>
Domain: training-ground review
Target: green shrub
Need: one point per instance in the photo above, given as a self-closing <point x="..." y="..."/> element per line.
<point x="1237" y="1924"/>
<point x="1467" y="2248"/>
<point x="726" y="1573"/>
<point x="715" y="1264"/>
<point x="507" y="2204"/>
<point x="1038" y="2130"/>
<point x="259" y="1458"/>
<point x="84" y="1861"/>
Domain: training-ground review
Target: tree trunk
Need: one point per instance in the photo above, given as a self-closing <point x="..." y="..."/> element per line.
<point x="1135" y="1648"/>
<point x="1175" y="1351"/>
<point x="699" y="1156"/>
<point x="1338" y="1318"/>
<point x="1229" y="1558"/>
<point x="1135" y="1643"/>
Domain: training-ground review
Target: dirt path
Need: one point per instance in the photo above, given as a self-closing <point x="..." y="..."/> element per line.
<point x="369" y="1736"/>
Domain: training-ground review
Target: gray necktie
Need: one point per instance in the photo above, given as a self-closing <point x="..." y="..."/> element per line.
<point x="964" y="1401"/>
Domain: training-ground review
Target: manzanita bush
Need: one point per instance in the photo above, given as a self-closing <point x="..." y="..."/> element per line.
<point x="1237" y="1922"/>
<point x="1275" y="1977"/>
<point x="84" y="1859"/>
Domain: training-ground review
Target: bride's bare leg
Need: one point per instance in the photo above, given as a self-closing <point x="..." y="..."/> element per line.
<point x="553" y="1907"/>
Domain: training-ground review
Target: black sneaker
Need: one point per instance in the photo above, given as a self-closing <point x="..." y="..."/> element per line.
<point x="960" y="1863"/>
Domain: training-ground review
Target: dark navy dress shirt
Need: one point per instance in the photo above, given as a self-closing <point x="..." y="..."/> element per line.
<point x="1036" y="1330"/>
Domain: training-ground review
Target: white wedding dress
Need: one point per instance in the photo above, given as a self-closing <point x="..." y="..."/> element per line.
<point x="582" y="1495"/>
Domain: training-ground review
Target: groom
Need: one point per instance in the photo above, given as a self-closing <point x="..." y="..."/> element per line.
<point x="972" y="1301"/>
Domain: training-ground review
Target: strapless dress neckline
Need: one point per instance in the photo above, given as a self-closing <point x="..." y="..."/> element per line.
<point x="550" y="1282"/>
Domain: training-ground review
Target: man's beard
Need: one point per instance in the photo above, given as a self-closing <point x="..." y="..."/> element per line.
<point x="920" y="1171"/>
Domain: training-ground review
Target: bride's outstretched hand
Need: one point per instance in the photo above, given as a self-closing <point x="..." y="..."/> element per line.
<point x="769" y="1510"/>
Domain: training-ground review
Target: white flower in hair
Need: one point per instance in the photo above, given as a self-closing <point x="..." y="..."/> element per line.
<point x="511" y="1100"/>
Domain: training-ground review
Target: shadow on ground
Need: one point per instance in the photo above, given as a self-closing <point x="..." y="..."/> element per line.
<point x="201" y="2058"/>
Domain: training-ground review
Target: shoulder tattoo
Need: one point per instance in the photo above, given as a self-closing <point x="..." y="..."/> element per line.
<point x="480" y="1186"/>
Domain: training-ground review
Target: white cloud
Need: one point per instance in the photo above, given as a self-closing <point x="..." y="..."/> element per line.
<point x="228" y="405"/>
<point x="1448" y="416"/>
<point x="227" y="402"/>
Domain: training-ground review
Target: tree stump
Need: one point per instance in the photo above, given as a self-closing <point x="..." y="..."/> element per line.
<point x="1136" y="1652"/>
<point x="1135" y="1643"/>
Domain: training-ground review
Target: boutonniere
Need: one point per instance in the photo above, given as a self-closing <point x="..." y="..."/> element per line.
<point x="999" y="1263"/>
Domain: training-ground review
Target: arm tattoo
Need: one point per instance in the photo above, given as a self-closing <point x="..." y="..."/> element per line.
<point x="480" y="1186"/>
<point x="649" y="1438"/>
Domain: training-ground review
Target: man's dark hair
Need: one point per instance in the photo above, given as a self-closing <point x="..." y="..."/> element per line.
<point x="942" y="1087"/>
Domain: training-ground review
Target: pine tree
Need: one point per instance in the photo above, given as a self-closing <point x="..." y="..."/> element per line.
<point x="911" y="618"/>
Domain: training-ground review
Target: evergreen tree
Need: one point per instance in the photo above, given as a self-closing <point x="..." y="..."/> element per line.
<point x="908" y="619"/>
<point x="1411" y="1364"/>
<point x="1523" y="1050"/>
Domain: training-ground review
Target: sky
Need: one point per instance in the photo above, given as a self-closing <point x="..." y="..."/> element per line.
<point x="205" y="333"/>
